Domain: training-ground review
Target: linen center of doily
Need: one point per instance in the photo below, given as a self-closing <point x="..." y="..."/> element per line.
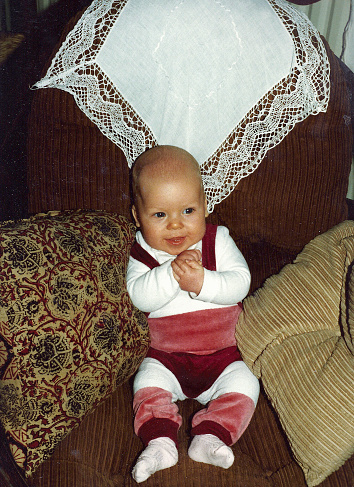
<point x="200" y="63"/>
<point x="178" y="63"/>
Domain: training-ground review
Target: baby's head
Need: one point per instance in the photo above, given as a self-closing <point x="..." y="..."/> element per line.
<point x="169" y="204"/>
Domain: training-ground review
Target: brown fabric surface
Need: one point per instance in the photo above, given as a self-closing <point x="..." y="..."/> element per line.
<point x="77" y="462"/>
<point x="71" y="163"/>
<point x="262" y="455"/>
<point x="264" y="260"/>
<point x="299" y="189"/>
<point x="297" y="192"/>
<point x="281" y="203"/>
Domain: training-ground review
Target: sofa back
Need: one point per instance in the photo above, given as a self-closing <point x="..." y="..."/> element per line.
<point x="298" y="191"/>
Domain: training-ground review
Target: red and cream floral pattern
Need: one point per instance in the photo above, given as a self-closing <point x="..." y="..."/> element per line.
<point x="69" y="334"/>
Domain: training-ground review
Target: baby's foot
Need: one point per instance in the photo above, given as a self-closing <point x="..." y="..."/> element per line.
<point x="210" y="449"/>
<point x="159" y="454"/>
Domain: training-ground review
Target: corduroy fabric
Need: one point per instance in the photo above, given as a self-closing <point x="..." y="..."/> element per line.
<point x="347" y="302"/>
<point x="298" y="191"/>
<point x="289" y="334"/>
<point x="80" y="462"/>
<point x="102" y="451"/>
<point x="71" y="164"/>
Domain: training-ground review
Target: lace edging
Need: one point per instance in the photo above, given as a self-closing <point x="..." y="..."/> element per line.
<point x="304" y="92"/>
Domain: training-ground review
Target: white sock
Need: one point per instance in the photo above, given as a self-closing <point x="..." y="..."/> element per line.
<point x="210" y="449"/>
<point x="160" y="453"/>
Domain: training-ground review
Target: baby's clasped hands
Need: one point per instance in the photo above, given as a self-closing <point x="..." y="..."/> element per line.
<point x="190" y="254"/>
<point x="188" y="270"/>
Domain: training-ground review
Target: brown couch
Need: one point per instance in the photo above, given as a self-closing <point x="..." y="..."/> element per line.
<point x="297" y="193"/>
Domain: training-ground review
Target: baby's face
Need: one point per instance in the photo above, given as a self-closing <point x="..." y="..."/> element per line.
<point x="171" y="211"/>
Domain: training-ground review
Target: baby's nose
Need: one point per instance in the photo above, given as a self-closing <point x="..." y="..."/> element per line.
<point x="174" y="224"/>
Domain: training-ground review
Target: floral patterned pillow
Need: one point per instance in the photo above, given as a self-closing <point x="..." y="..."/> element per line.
<point x="69" y="334"/>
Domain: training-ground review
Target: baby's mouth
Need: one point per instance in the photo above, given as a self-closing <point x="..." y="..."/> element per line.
<point x="176" y="240"/>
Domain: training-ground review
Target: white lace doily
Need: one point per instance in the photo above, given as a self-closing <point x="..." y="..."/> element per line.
<point x="226" y="80"/>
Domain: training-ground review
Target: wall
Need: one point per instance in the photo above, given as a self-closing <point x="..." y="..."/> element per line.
<point x="330" y="17"/>
<point x="43" y="4"/>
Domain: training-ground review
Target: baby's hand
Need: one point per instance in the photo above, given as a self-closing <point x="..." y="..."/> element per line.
<point x="189" y="274"/>
<point x="189" y="255"/>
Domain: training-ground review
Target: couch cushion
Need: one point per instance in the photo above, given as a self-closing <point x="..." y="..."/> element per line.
<point x="347" y="304"/>
<point x="86" y="459"/>
<point x="69" y="334"/>
<point x="291" y="335"/>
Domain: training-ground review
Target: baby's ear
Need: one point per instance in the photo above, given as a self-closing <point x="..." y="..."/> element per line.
<point x="135" y="215"/>
<point x="206" y="207"/>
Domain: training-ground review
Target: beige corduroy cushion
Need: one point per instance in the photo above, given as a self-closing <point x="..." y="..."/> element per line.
<point x="295" y="333"/>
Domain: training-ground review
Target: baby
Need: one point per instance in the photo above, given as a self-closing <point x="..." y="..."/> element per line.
<point x="189" y="277"/>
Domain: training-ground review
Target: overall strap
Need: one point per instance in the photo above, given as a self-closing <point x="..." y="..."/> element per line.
<point x="140" y="254"/>
<point x="208" y="247"/>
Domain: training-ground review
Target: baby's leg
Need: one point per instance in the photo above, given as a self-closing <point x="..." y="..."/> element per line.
<point x="156" y="419"/>
<point x="228" y="414"/>
<point x="156" y="422"/>
<point x="218" y="427"/>
<point x="156" y="414"/>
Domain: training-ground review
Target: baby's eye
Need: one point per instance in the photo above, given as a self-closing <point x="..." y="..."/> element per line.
<point x="188" y="211"/>
<point x="160" y="214"/>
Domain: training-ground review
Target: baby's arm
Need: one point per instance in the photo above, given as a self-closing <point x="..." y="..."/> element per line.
<point x="148" y="289"/>
<point x="230" y="283"/>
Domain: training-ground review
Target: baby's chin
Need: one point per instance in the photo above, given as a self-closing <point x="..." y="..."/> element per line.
<point x="175" y="246"/>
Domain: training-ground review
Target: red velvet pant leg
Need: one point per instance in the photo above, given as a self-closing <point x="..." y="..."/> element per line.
<point x="156" y="414"/>
<point x="226" y="417"/>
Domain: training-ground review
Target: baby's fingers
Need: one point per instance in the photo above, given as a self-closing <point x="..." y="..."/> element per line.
<point x="177" y="269"/>
<point x="192" y="254"/>
<point x="176" y="276"/>
<point x="194" y="264"/>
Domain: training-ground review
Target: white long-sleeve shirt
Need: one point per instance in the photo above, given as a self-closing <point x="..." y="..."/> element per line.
<point x="157" y="292"/>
